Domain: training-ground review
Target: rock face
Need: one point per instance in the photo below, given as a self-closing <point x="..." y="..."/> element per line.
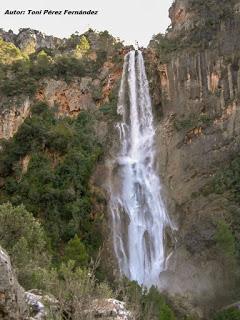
<point x="181" y="17"/>
<point x="12" y="301"/>
<point x="12" y="118"/>
<point x="29" y="40"/>
<point x="196" y="92"/>
<point x="69" y="99"/>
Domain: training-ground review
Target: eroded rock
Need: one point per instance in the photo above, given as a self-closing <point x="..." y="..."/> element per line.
<point x="109" y="309"/>
<point x="12" y="302"/>
<point x="12" y="118"/>
<point x="41" y="306"/>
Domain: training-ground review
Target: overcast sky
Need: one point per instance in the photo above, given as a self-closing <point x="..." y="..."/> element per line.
<point x="128" y="19"/>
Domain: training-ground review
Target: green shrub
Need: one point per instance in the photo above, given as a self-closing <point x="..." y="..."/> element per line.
<point x="25" y="240"/>
<point x="166" y="313"/>
<point x="75" y="289"/>
<point x="145" y="304"/>
<point x="192" y="121"/>
<point x="110" y="109"/>
<point x="186" y="124"/>
<point x="83" y="47"/>
<point x="225" y="239"/>
<point x="230" y="314"/>
<point x="228" y="179"/>
<point x="76" y="251"/>
<point x="9" y="52"/>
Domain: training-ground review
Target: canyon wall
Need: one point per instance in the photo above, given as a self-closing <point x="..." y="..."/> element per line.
<point x="195" y="81"/>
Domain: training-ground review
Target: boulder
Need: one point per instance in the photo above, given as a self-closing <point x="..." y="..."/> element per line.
<point x="41" y="306"/>
<point x="109" y="309"/>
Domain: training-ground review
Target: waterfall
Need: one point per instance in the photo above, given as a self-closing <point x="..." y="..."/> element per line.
<point x="138" y="213"/>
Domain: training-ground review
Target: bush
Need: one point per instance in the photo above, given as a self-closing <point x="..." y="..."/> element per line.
<point x="76" y="251"/>
<point x="75" y="289"/>
<point x="225" y="239"/>
<point x="9" y="52"/>
<point x="145" y="304"/>
<point x="25" y="240"/>
<point x="230" y="314"/>
<point x="82" y="48"/>
<point x="192" y="121"/>
<point x="110" y="108"/>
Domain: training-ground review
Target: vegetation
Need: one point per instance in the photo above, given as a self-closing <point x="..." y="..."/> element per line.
<point x="75" y="289"/>
<point x="146" y="304"/>
<point x="76" y="251"/>
<point x="49" y="222"/>
<point x="9" y="52"/>
<point x="110" y="109"/>
<point x="55" y="187"/>
<point x="164" y="46"/>
<point x="50" y="230"/>
<point x="25" y="240"/>
<point x="73" y="282"/>
<point x="21" y="72"/>
<point x="82" y="48"/>
<point x="50" y="219"/>
<point x="230" y="314"/>
<point x="192" y="121"/>
<point x="225" y="239"/>
<point x="22" y="76"/>
<point x="203" y="32"/>
<point x="227" y="182"/>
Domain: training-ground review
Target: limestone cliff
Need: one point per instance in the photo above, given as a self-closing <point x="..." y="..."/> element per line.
<point x="69" y="93"/>
<point x="195" y="82"/>
<point x="12" y="118"/>
<point x="30" y="40"/>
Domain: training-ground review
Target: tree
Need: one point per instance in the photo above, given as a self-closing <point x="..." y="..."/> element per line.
<point x="166" y="313"/>
<point x="24" y="239"/>
<point x="9" y="52"/>
<point x="43" y="63"/>
<point x="76" y="251"/>
<point x="82" y="48"/>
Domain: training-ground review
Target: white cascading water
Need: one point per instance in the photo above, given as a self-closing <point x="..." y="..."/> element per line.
<point x="138" y="212"/>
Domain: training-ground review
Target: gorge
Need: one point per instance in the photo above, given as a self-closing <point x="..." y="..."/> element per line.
<point x="85" y="127"/>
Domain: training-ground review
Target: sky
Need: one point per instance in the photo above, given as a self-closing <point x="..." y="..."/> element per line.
<point x="130" y="20"/>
